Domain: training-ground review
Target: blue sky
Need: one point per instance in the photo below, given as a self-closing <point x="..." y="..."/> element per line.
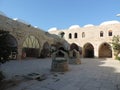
<point x="61" y="13"/>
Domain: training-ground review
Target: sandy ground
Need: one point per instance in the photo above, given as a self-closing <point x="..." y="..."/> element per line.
<point x="92" y="74"/>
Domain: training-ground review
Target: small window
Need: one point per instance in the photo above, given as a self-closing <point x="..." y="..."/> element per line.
<point x="101" y="33"/>
<point x="61" y="34"/>
<point x="70" y="36"/>
<point x="83" y="34"/>
<point x="110" y="33"/>
<point x="75" y="35"/>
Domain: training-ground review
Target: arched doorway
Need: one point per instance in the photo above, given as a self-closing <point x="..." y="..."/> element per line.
<point x="74" y="46"/>
<point x="45" y="52"/>
<point x="8" y="46"/>
<point x="88" y="50"/>
<point x="105" y="51"/>
<point x="31" y="47"/>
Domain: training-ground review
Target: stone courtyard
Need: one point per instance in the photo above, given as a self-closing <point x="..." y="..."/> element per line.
<point x="92" y="74"/>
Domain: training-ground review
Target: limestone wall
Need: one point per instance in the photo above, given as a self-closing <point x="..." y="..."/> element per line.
<point x="92" y="35"/>
<point x="20" y="31"/>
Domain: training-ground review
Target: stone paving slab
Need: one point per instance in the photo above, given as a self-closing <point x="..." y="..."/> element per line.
<point x="92" y="74"/>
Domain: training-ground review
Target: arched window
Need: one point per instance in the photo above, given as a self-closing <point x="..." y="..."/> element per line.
<point x="83" y="34"/>
<point x="31" y="47"/>
<point x="75" y="35"/>
<point x="101" y="33"/>
<point x="31" y="42"/>
<point x="110" y="33"/>
<point x="70" y="36"/>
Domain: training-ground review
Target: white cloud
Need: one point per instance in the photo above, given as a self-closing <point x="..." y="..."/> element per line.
<point x="74" y="26"/>
<point x="36" y="26"/>
<point x="118" y="15"/>
<point x="52" y="29"/>
<point x="15" y="19"/>
<point x="88" y="25"/>
<point x="109" y="22"/>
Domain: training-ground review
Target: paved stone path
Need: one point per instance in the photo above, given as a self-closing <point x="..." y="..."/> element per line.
<point x="92" y="74"/>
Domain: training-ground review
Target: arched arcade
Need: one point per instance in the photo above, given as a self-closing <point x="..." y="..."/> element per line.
<point x="105" y="50"/>
<point x="88" y="50"/>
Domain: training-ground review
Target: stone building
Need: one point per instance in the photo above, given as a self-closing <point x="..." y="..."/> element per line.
<point x="25" y="39"/>
<point x="29" y="41"/>
<point x="91" y="41"/>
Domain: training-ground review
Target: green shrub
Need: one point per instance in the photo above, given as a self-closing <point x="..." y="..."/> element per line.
<point x="118" y="58"/>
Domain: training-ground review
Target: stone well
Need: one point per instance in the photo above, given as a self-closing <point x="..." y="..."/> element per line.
<point x="59" y="64"/>
<point x="74" y="57"/>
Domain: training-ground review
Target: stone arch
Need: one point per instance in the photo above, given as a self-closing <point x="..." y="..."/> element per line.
<point x="88" y="50"/>
<point x="31" y="46"/>
<point x="60" y="54"/>
<point x="105" y="50"/>
<point x="60" y="46"/>
<point x="46" y="46"/>
<point x="8" y="46"/>
<point x="45" y="52"/>
<point x="74" y="46"/>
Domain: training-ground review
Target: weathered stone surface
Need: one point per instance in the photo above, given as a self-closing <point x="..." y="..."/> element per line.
<point x="91" y="35"/>
<point x="20" y="31"/>
<point x="35" y="76"/>
<point x="59" y="64"/>
<point x="74" y="57"/>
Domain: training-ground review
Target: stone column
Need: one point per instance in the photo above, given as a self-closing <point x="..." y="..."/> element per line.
<point x="19" y="56"/>
<point x="96" y="50"/>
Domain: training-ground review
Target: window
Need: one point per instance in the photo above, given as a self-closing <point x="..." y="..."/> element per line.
<point x="70" y="36"/>
<point x="75" y="35"/>
<point x="101" y="33"/>
<point x="61" y="34"/>
<point x="83" y="34"/>
<point x="31" y="42"/>
<point x="110" y="33"/>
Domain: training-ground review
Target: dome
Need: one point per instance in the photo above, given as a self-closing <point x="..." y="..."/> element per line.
<point x="88" y="25"/>
<point x="110" y="22"/>
<point x="74" y="26"/>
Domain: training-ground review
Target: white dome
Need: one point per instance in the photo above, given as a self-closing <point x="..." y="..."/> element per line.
<point x="52" y="29"/>
<point x="110" y="22"/>
<point x="88" y="25"/>
<point x="74" y="26"/>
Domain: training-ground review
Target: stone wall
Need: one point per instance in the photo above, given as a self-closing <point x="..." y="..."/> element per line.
<point x="20" y="31"/>
<point x="92" y="35"/>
